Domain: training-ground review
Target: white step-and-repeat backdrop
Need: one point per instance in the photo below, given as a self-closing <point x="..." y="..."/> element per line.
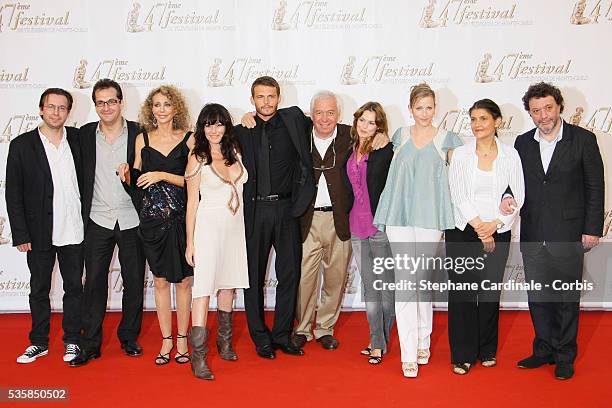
<point x="361" y="49"/>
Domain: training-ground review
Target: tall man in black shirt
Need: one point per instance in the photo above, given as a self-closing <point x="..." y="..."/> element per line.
<point x="279" y="189"/>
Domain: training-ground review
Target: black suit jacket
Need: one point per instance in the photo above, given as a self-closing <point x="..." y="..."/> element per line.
<point x="303" y="183"/>
<point x="566" y="201"/>
<point x="376" y="176"/>
<point x="87" y="138"/>
<point x="29" y="188"/>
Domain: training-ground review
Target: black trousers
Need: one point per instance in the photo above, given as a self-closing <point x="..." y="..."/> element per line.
<point x="554" y="313"/>
<point x="473" y="315"/>
<point x="99" y="247"/>
<point x="274" y="227"/>
<point x="41" y="263"/>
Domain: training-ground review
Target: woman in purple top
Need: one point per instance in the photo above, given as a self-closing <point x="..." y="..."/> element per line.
<point x="365" y="173"/>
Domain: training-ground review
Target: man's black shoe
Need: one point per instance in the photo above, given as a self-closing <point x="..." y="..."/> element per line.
<point x="266" y="351"/>
<point x="328" y="342"/>
<point x="131" y="348"/>
<point x="288" y="348"/>
<point x="564" y="371"/>
<point x="534" y="362"/>
<point x="83" y="357"/>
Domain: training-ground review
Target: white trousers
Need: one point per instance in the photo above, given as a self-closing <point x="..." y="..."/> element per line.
<point x="414" y="318"/>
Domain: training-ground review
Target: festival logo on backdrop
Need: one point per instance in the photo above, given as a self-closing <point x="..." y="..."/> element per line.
<point x="599" y="120"/>
<point x="31" y="16"/>
<point x="597" y="11"/>
<point x="321" y="15"/>
<point x="16" y="125"/>
<point x="20" y="78"/>
<point x="386" y="69"/>
<point x="14" y="287"/>
<point x="458" y="120"/>
<point x="173" y="16"/>
<point x="244" y="70"/>
<point x="519" y="66"/>
<point x="607" y="231"/>
<point x="476" y="13"/>
<point x="119" y="70"/>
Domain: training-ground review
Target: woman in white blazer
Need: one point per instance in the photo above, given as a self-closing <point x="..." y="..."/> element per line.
<point x="480" y="173"/>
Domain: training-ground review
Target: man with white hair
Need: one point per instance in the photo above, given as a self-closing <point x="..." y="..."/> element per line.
<point x="325" y="225"/>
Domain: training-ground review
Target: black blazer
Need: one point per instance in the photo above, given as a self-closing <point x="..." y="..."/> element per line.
<point x="87" y="138"/>
<point x="568" y="200"/>
<point x="376" y="176"/>
<point x="303" y="183"/>
<point x="29" y="188"/>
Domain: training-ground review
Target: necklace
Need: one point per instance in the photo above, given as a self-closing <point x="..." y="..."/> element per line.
<point x="492" y="148"/>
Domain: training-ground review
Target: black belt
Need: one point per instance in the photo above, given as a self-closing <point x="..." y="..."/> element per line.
<point x="274" y="197"/>
<point x="324" y="209"/>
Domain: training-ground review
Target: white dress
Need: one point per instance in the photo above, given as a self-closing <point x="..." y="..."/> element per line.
<point x="220" y="253"/>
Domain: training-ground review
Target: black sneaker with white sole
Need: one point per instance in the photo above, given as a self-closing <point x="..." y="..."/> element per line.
<point x="32" y="353"/>
<point x="72" y="350"/>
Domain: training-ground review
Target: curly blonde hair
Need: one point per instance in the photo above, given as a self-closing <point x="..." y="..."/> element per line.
<point x="181" y="117"/>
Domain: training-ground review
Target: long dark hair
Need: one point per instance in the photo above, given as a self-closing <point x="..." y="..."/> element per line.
<point x="213" y="113"/>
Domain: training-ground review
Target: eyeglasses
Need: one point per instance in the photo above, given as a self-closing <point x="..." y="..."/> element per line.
<point x="110" y="103"/>
<point x="51" y="107"/>
<point x="323" y="167"/>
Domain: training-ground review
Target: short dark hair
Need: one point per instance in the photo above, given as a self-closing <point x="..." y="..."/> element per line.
<point x="542" y="90"/>
<point x="489" y="106"/>
<point x="265" y="81"/>
<point x="105" y="84"/>
<point x="55" y="91"/>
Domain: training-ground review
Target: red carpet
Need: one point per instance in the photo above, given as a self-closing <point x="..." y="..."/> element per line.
<point x="321" y="378"/>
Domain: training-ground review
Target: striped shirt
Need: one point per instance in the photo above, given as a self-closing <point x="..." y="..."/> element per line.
<point x="508" y="171"/>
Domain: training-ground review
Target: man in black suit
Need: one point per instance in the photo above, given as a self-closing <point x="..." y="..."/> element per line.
<point x="279" y="189"/>
<point x="561" y="218"/>
<point x="43" y="204"/>
<point x="110" y="219"/>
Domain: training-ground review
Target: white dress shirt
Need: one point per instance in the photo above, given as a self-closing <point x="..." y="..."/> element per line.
<point x="508" y="171"/>
<point x="67" y="220"/>
<point x="547" y="148"/>
<point x="323" y="199"/>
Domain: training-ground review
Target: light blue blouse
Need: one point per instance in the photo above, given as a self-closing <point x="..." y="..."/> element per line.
<point x="417" y="193"/>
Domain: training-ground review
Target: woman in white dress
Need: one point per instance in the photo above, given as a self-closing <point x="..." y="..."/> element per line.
<point x="216" y="246"/>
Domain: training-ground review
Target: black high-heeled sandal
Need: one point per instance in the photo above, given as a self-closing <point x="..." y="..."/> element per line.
<point x="181" y="358"/>
<point x="163" y="359"/>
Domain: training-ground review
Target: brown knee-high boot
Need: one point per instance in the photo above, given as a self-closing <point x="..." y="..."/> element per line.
<point x="224" y="336"/>
<point x="199" y="348"/>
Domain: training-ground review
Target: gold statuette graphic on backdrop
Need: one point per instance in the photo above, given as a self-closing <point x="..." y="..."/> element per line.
<point x="4" y="239"/>
<point x="582" y="13"/>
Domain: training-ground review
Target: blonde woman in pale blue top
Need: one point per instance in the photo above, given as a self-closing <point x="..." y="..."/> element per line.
<point x="415" y="207"/>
